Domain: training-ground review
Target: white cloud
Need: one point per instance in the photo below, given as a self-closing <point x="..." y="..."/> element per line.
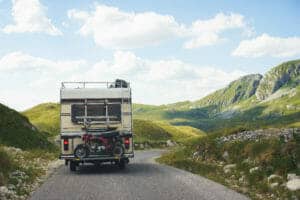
<point x="207" y="32"/>
<point x="27" y="80"/>
<point x="266" y="45"/>
<point x="19" y="61"/>
<point x="113" y="28"/>
<point x="30" y="16"/>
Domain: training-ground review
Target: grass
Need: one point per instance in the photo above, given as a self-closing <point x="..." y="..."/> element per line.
<point x="181" y="134"/>
<point x="148" y="131"/>
<point x="157" y="133"/>
<point x="6" y="166"/>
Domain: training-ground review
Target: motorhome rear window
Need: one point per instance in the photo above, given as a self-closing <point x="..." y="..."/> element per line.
<point x="98" y="111"/>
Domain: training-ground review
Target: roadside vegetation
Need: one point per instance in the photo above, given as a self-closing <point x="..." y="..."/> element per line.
<point x="260" y="167"/>
<point x="25" y="154"/>
<point x="21" y="171"/>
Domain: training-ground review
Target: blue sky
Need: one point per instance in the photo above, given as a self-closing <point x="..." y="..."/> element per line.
<point x="169" y="50"/>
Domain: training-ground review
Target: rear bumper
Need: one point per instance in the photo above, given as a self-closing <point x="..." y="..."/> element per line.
<point x="99" y="158"/>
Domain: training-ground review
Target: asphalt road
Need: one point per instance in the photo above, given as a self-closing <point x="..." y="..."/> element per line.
<point x="142" y="179"/>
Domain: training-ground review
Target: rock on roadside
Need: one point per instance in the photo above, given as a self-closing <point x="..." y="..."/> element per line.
<point x="228" y="168"/>
<point x="293" y="185"/>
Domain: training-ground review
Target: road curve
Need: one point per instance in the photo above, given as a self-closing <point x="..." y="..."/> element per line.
<point x="142" y="179"/>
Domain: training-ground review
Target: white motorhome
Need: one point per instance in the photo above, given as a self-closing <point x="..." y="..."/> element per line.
<point x="96" y="123"/>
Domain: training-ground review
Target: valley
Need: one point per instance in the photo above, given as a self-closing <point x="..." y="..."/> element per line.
<point x="194" y="131"/>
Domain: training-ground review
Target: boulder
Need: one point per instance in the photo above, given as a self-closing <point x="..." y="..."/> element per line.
<point x="274" y="185"/>
<point x="254" y="169"/>
<point x="228" y="168"/>
<point x="225" y="155"/>
<point x="274" y="177"/>
<point x="242" y="179"/>
<point x="292" y="177"/>
<point x="293" y="185"/>
<point x="196" y="154"/>
<point x="170" y="143"/>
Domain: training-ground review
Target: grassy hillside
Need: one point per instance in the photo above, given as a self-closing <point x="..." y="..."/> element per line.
<point x="17" y="131"/>
<point x="45" y="117"/>
<point x="156" y="132"/>
<point x="148" y="131"/>
<point x="148" y="112"/>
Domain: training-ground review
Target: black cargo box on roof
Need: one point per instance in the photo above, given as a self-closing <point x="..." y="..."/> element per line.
<point x="119" y="83"/>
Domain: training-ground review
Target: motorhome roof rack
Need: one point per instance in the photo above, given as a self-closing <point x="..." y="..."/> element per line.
<point x="84" y="84"/>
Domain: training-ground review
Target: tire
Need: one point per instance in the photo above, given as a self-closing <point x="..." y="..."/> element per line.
<point x="73" y="166"/>
<point x="122" y="164"/>
<point x="126" y="160"/>
<point x="118" y="150"/>
<point x="81" y="151"/>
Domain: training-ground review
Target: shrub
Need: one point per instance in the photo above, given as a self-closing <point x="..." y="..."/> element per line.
<point x="6" y="166"/>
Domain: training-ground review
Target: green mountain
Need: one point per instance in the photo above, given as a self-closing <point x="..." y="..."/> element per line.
<point x="235" y="92"/>
<point x="251" y="101"/>
<point x="17" y="131"/>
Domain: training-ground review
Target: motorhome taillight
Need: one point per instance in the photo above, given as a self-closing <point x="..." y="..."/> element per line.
<point x="127" y="143"/>
<point x="66" y="144"/>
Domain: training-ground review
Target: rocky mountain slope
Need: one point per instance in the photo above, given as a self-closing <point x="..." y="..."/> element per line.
<point x="284" y="75"/>
<point x="235" y="92"/>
